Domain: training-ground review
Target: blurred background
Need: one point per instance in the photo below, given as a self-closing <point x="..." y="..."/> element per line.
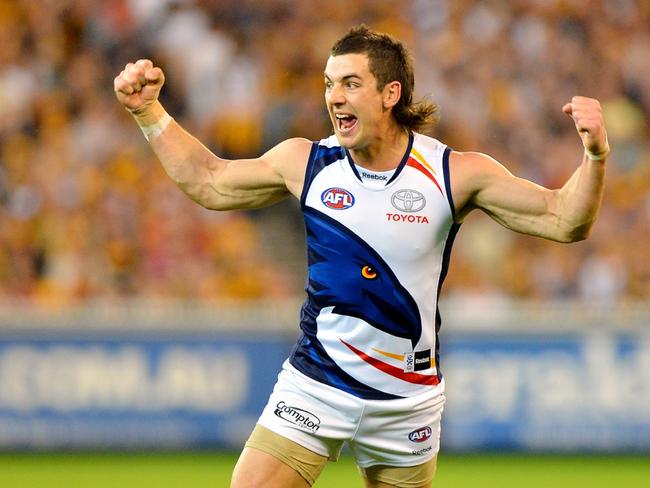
<point x="130" y="317"/>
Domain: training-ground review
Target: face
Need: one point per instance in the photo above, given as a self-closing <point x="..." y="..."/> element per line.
<point x="357" y="108"/>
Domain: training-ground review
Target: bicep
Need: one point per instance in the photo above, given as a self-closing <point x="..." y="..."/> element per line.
<point x="515" y="203"/>
<point x="254" y="183"/>
<point x="243" y="184"/>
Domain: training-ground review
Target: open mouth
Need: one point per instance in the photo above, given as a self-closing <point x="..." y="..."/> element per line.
<point x="345" y="122"/>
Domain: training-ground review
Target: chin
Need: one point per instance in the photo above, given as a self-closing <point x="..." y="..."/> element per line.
<point x="347" y="142"/>
<point x="343" y="142"/>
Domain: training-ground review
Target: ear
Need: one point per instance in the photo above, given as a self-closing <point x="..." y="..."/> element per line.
<point x="391" y="94"/>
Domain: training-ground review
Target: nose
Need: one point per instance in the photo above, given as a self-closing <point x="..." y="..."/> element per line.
<point x="335" y="95"/>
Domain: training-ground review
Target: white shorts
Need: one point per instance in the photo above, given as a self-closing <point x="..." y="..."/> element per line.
<point x="402" y="432"/>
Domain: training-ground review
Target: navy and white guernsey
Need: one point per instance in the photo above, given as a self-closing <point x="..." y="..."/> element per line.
<point x="377" y="257"/>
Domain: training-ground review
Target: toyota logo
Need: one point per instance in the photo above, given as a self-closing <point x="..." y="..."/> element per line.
<point x="408" y="200"/>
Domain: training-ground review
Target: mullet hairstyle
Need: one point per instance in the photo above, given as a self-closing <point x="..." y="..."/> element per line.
<point x="389" y="60"/>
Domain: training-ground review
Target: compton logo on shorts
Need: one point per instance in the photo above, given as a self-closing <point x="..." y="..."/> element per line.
<point x="297" y="416"/>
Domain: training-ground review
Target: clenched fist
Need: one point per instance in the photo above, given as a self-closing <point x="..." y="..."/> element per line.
<point x="137" y="87"/>
<point x="588" y="117"/>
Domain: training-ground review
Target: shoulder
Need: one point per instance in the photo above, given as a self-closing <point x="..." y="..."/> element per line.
<point x="474" y="167"/>
<point x="289" y="159"/>
<point x="295" y="149"/>
<point x="289" y="154"/>
<point x="471" y="173"/>
<point x="472" y="161"/>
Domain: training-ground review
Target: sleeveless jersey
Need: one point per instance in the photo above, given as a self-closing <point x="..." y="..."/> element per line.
<point x="377" y="257"/>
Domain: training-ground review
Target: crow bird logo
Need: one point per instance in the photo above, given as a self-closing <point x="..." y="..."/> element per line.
<point x="348" y="274"/>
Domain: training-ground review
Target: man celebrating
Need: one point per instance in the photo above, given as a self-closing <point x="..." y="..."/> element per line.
<point x="382" y="204"/>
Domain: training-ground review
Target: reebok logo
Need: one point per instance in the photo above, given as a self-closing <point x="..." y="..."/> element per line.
<point x="421" y="451"/>
<point x="372" y="176"/>
<point x="417" y="360"/>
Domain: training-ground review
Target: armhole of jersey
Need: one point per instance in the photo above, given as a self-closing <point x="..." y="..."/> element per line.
<point x="445" y="170"/>
<point x="309" y="176"/>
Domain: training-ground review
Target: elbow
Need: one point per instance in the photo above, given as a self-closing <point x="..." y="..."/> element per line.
<point x="204" y="195"/>
<point x="581" y="235"/>
<point x="573" y="238"/>
<point x="575" y="234"/>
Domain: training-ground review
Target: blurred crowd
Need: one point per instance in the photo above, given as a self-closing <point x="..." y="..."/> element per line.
<point x="86" y="211"/>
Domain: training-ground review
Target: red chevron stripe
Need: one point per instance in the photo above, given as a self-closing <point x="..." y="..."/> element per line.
<point x="415" y="164"/>
<point x="416" y="378"/>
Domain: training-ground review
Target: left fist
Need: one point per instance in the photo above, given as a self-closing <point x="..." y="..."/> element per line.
<point x="588" y="117"/>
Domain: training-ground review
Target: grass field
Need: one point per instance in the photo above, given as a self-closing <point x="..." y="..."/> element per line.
<point x="213" y="470"/>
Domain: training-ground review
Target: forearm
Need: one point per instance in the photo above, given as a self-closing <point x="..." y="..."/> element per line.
<point x="564" y="215"/>
<point x="580" y="198"/>
<point x="215" y="183"/>
<point x="185" y="159"/>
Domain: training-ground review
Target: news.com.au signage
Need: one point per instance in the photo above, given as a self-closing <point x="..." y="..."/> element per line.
<point x="505" y="391"/>
<point x="172" y="392"/>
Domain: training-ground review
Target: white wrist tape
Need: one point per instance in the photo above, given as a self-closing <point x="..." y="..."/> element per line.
<point x="597" y="156"/>
<point x="154" y="130"/>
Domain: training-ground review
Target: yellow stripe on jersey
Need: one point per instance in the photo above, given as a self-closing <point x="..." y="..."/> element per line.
<point x="421" y="160"/>
<point x="399" y="357"/>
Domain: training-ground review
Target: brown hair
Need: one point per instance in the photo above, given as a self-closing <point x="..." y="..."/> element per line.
<point x="389" y="60"/>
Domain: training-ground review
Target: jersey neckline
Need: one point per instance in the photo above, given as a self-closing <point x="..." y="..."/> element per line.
<point x="398" y="170"/>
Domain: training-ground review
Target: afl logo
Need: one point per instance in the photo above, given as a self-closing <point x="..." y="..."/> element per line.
<point x="337" y="198"/>
<point x="420" y="435"/>
<point x="408" y="200"/>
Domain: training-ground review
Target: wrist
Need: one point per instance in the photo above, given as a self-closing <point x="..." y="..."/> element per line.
<point x="597" y="156"/>
<point x="600" y="155"/>
<point x="147" y="114"/>
<point x="152" y="121"/>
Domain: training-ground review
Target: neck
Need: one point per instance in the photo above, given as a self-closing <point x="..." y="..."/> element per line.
<point x="385" y="152"/>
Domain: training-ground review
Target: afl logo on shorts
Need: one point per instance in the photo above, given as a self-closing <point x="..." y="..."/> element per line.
<point x="420" y="435"/>
<point x="337" y="198"/>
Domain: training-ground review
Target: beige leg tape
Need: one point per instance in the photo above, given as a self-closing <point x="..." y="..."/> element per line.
<point x="306" y="463"/>
<point x="404" y="477"/>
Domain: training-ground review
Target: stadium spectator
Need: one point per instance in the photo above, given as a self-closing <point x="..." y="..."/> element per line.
<point x="69" y="158"/>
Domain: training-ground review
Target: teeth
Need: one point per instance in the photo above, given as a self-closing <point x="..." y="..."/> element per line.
<point x="342" y="116"/>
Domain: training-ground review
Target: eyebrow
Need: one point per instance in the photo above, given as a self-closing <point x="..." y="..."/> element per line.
<point x="344" y="77"/>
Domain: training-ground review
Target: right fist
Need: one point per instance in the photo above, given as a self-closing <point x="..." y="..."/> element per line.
<point x="138" y="85"/>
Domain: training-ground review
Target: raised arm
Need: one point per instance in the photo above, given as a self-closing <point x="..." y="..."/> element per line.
<point x="211" y="181"/>
<point x="564" y="215"/>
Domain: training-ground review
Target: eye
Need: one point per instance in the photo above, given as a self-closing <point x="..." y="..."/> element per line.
<point x="368" y="272"/>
